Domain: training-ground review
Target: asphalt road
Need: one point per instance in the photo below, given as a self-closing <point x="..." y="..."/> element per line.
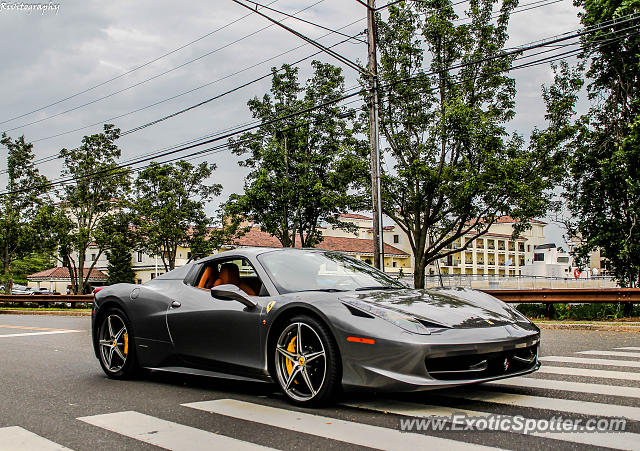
<point x="53" y="394"/>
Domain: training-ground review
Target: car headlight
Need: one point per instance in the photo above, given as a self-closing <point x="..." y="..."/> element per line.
<point x="402" y="320"/>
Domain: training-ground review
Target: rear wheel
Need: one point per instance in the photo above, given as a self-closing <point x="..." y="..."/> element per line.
<point x="116" y="345"/>
<point x="307" y="362"/>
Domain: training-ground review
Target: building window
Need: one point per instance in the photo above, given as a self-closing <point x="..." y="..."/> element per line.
<point x="538" y="257"/>
<point x="93" y="257"/>
<point x="153" y="275"/>
<point x="393" y="264"/>
<point x="396" y="239"/>
<point x="139" y="281"/>
<point x="528" y="248"/>
<point x="139" y="257"/>
<point x="188" y="255"/>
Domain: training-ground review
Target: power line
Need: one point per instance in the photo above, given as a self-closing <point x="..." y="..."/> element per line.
<point x="211" y="99"/>
<point x="328" y="51"/>
<point x="192" y="156"/>
<point x="516" y="10"/>
<point x="303" y="20"/>
<point x="164" y="55"/>
<point x="55" y="156"/>
<point x="208" y="141"/>
<point x="119" y="91"/>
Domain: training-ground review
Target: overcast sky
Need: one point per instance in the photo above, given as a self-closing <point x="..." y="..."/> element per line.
<point x="53" y="54"/>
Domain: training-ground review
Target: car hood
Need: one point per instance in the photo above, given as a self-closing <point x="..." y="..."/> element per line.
<point x="452" y="308"/>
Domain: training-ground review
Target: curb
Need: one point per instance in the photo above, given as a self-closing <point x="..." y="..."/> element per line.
<point x="43" y="312"/>
<point x="600" y="327"/>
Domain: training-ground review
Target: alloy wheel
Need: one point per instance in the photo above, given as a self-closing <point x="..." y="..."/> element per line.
<point x="114" y="343"/>
<point x="301" y="361"/>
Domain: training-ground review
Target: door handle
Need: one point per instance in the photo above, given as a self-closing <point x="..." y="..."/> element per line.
<point x="175" y="304"/>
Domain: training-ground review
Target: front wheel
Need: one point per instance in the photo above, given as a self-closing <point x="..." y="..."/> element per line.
<point x="307" y="362"/>
<point x="116" y="345"/>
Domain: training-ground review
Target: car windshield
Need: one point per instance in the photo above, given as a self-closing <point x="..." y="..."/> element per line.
<point x="297" y="270"/>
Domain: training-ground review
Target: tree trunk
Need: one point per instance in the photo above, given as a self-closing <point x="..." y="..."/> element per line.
<point x="418" y="275"/>
<point x="8" y="287"/>
<point x="79" y="284"/>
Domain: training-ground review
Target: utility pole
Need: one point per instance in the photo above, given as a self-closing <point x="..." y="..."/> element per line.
<point x="378" y="246"/>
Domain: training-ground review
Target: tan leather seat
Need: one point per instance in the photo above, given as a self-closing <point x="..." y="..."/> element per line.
<point x="230" y="274"/>
<point x="208" y="278"/>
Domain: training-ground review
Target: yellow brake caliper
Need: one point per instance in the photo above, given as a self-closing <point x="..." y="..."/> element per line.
<point x="291" y="348"/>
<point x="126" y="344"/>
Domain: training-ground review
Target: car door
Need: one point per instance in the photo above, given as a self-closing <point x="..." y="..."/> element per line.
<point x="216" y="334"/>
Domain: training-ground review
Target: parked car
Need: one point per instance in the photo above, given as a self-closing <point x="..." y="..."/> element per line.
<point x="21" y="290"/>
<point x="45" y="291"/>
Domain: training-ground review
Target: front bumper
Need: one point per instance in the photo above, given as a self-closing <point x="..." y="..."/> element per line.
<point x="446" y="358"/>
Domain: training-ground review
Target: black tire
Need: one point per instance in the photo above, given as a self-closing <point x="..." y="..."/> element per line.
<point x="118" y="357"/>
<point x="310" y="376"/>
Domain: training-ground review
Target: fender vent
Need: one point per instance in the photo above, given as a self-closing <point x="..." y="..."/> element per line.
<point x="355" y="312"/>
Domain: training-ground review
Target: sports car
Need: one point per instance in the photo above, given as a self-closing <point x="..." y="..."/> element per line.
<point x="314" y="322"/>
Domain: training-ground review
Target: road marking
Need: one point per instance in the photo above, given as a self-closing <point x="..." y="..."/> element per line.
<point x="15" y="437"/>
<point x="586" y="361"/>
<point x="541" y="402"/>
<point x="165" y="434"/>
<point x="53" y="332"/>
<point x="630" y="348"/>
<point x="27" y="327"/>
<point x="570" y="371"/>
<point x="580" y="387"/>
<point x="623" y="440"/>
<point x="332" y="428"/>
<point x="611" y="353"/>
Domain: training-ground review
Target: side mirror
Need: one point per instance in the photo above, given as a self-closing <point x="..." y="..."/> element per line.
<point x="229" y="291"/>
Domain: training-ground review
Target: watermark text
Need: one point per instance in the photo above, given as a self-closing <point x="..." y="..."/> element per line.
<point x="30" y="8"/>
<point x="507" y="423"/>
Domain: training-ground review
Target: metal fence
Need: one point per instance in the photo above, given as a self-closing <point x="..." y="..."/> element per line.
<point x="497" y="282"/>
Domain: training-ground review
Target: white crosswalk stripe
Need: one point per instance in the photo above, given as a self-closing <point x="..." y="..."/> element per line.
<point x="336" y="429"/>
<point x="588" y="361"/>
<point x="165" y="434"/>
<point x="611" y="353"/>
<point x="630" y="348"/>
<point x="623" y="440"/>
<point x="548" y="403"/>
<point x="603" y="374"/>
<point x="580" y="387"/>
<point x="16" y="438"/>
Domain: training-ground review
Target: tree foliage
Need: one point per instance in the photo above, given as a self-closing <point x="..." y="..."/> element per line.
<point x="446" y="99"/>
<point x="169" y="208"/>
<point x="120" y="240"/>
<point x="602" y="191"/>
<point x="89" y="202"/>
<point x="20" y="207"/>
<point x="303" y="167"/>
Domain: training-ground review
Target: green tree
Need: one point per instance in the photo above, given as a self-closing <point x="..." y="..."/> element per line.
<point x="121" y="240"/>
<point x="302" y="167"/>
<point x="602" y="190"/>
<point x="19" y="207"/>
<point x="89" y="202"/>
<point x="31" y="264"/>
<point x="169" y="206"/>
<point x="455" y="168"/>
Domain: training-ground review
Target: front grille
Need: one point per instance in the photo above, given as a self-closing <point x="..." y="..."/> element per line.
<point x="480" y="366"/>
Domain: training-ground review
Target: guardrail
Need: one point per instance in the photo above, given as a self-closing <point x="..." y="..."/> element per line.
<point x="550" y="296"/>
<point x="48" y="299"/>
